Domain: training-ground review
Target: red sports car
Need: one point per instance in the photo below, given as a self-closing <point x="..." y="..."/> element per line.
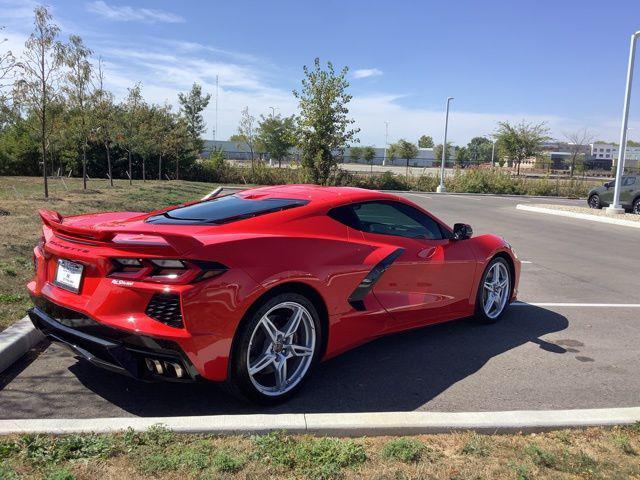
<point x="254" y="288"/>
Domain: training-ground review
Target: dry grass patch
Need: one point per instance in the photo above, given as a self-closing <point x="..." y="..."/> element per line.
<point x="159" y="453"/>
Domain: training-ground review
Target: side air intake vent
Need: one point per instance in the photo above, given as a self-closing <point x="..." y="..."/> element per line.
<point x="165" y="309"/>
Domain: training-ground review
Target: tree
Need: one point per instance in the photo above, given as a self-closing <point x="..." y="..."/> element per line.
<point x="7" y="69"/>
<point x="462" y="157"/>
<point x="192" y="105"/>
<point x="324" y="125"/>
<point x="368" y="154"/>
<point x="76" y="57"/>
<point x="403" y="149"/>
<point x="425" y="141"/>
<point x="104" y="117"/>
<point x="39" y="75"/>
<point x="577" y="141"/>
<point x="247" y="134"/>
<point x="479" y="150"/>
<point x="276" y="136"/>
<point x="521" y="141"/>
<point x="130" y="124"/>
<point x="437" y="153"/>
<point x="355" y="154"/>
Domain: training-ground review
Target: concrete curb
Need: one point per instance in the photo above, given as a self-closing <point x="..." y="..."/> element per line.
<point x="581" y="216"/>
<point x="16" y="340"/>
<point x="341" y="424"/>
<point x="463" y="194"/>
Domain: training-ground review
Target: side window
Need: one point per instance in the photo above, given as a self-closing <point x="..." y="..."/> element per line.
<point x="388" y="218"/>
<point x="629" y="181"/>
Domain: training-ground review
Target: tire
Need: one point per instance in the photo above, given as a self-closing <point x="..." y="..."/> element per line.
<point x="490" y="312"/>
<point x="281" y="360"/>
<point x="636" y="206"/>
<point x="594" y="201"/>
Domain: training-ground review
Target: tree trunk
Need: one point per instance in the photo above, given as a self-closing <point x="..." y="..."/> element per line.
<point x="144" y="172"/>
<point x="106" y="146"/>
<point x="160" y="167"/>
<point x="177" y="164"/>
<point x="43" y="125"/>
<point x="518" y="168"/>
<point x="84" y="166"/>
<point x="130" y="172"/>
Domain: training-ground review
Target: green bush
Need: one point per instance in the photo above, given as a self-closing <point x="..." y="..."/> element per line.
<point x="404" y="449"/>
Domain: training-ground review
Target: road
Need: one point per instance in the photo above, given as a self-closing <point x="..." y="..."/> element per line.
<point x="539" y="356"/>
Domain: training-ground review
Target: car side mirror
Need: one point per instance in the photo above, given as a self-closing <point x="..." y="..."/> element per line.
<point x="607" y="185"/>
<point x="462" y="231"/>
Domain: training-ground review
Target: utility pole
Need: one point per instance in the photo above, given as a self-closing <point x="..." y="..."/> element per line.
<point x="493" y="153"/>
<point x="441" y="188"/>
<point x="386" y="142"/>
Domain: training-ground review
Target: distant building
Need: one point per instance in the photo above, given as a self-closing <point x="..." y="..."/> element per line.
<point x="235" y="151"/>
<point x="610" y="151"/>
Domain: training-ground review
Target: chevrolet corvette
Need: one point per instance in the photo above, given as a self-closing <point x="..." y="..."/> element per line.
<point x="252" y="289"/>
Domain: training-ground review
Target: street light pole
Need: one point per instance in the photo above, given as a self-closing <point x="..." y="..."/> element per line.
<point x="493" y="152"/>
<point x="615" y="208"/>
<point x="386" y="142"/>
<point x="441" y="188"/>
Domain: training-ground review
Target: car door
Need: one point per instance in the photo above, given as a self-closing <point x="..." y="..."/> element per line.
<point x="629" y="187"/>
<point x="606" y="195"/>
<point x="431" y="279"/>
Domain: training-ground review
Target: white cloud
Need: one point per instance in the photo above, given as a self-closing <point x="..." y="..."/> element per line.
<point x="367" y="72"/>
<point x="125" y="13"/>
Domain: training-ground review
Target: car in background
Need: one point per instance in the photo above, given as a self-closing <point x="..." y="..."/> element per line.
<point x="254" y="288"/>
<point x="629" y="194"/>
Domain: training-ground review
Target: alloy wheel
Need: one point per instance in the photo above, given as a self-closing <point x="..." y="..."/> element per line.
<point x="496" y="290"/>
<point x="594" y="201"/>
<point x="281" y="349"/>
<point x="636" y="207"/>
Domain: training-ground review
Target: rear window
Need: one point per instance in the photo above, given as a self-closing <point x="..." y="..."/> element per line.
<point x="225" y="209"/>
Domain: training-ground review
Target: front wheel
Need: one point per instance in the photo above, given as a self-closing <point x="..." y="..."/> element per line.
<point x="636" y="206"/>
<point x="275" y="349"/>
<point x="594" y="201"/>
<point x="494" y="291"/>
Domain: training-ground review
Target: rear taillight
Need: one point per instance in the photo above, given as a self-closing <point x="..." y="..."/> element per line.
<point x="165" y="270"/>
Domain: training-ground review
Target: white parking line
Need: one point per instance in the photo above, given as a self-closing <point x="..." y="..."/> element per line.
<point x="589" y="305"/>
<point x="526" y="261"/>
<point x="418" y="195"/>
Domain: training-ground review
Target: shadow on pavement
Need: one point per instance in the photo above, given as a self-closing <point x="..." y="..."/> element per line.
<point x="396" y="373"/>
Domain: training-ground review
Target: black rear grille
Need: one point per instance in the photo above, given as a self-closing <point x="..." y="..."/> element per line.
<point x="166" y="309"/>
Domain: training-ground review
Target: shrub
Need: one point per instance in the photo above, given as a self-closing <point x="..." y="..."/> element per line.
<point x="403" y="449"/>
<point x="478" y="445"/>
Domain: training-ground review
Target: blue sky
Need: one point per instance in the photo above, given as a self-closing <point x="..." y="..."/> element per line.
<point x="560" y="61"/>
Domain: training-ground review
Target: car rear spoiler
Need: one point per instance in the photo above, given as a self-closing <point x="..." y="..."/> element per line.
<point x="130" y="237"/>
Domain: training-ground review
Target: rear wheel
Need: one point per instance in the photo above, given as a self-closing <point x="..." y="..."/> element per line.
<point x="636" y="206"/>
<point x="494" y="291"/>
<point x="594" y="201"/>
<point x="276" y="349"/>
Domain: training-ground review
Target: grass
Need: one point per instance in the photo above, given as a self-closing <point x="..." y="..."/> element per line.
<point x="20" y="230"/>
<point x="159" y="453"/>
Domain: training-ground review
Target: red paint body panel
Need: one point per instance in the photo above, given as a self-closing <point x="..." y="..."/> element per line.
<point x="432" y="281"/>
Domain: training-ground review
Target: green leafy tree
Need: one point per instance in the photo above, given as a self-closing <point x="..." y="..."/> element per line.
<point x="520" y="141"/>
<point x="130" y="123"/>
<point x="276" y="136"/>
<point x="39" y="72"/>
<point x="76" y="57"/>
<point x="355" y="154"/>
<point x="425" y="141"/>
<point x="462" y="157"/>
<point x="479" y="150"/>
<point x="105" y="115"/>
<point x="192" y="105"/>
<point x="7" y="69"/>
<point x="246" y="134"/>
<point x="577" y="142"/>
<point x="325" y="128"/>
<point x="368" y="154"/>
<point x="437" y="153"/>
<point x="403" y="149"/>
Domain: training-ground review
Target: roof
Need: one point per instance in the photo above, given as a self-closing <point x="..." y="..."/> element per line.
<point x="316" y="194"/>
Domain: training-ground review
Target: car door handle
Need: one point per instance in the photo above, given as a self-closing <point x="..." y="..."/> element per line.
<point x="427" y="252"/>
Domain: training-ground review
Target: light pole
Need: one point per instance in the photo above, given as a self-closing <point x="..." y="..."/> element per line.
<point x="441" y="188"/>
<point x="615" y="208"/>
<point x="386" y="142"/>
<point x="273" y="111"/>
<point x="493" y="153"/>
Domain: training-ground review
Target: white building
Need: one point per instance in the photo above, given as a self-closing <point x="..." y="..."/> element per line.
<point x="609" y="151"/>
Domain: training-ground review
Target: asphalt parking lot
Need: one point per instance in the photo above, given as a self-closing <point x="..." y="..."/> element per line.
<point x="571" y="344"/>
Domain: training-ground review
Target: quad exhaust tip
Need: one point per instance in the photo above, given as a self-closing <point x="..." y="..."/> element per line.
<point x="164" y="367"/>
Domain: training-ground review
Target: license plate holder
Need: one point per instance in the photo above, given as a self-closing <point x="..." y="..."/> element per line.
<point x="69" y="275"/>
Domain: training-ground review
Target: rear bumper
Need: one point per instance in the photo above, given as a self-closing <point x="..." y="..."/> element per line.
<point x="137" y="356"/>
